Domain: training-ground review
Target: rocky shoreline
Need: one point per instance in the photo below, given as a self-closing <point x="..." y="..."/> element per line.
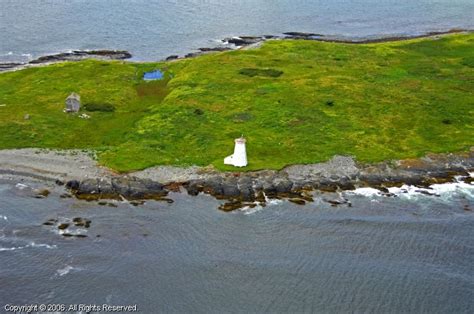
<point x="230" y="43"/>
<point x="239" y="189"/>
<point x="76" y="55"/>
<point x="248" y="42"/>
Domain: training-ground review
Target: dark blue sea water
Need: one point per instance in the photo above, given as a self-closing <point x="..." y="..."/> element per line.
<point x="408" y="254"/>
<point x="154" y="29"/>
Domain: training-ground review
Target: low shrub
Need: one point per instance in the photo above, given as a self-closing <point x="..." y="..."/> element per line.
<point x="330" y="103"/>
<point x="260" y="72"/>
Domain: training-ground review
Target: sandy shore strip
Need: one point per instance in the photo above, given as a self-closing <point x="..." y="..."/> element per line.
<point x="49" y="164"/>
<point x="65" y="165"/>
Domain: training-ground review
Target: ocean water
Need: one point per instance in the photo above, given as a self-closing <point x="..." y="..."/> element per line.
<point x="154" y="29"/>
<point x="413" y="253"/>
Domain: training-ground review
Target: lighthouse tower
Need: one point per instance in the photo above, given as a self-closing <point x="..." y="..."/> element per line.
<point x="239" y="158"/>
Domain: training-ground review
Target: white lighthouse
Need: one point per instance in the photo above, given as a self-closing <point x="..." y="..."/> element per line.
<point x="239" y="158"/>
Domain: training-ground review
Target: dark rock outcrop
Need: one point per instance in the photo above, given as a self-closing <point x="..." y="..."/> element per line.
<point x="10" y="66"/>
<point x="243" y="40"/>
<point x="292" y="183"/>
<point x="79" y="55"/>
<point x="283" y="185"/>
<point x="215" y="49"/>
<point x="193" y="54"/>
<point x="127" y="187"/>
<point x="73" y="184"/>
<point x="302" y="35"/>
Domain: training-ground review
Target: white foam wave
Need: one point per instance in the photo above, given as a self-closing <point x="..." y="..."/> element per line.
<point x="247" y="210"/>
<point x="271" y="201"/>
<point x="450" y="188"/>
<point x="409" y="191"/>
<point x="33" y="244"/>
<point x="29" y="245"/>
<point x="274" y="202"/>
<point x="21" y="186"/>
<point x="366" y="192"/>
<point x="66" y="270"/>
<point x="444" y="189"/>
<point x="2" y="249"/>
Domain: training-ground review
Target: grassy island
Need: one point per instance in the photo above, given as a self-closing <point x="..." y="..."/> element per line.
<point x="295" y="101"/>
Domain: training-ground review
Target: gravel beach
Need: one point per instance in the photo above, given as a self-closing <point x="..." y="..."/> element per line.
<point x="52" y="165"/>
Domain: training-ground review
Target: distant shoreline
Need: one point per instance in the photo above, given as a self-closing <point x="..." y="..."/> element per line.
<point x="232" y="43"/>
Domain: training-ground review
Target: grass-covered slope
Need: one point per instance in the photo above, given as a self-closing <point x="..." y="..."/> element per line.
<point x="295" y="102"/>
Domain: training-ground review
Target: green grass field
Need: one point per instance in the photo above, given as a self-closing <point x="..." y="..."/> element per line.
<point x="294" y="101"/>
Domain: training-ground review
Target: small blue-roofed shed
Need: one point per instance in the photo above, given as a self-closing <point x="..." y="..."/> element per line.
<point x="154" y="75"/>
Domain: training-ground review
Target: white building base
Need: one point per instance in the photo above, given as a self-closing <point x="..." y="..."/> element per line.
<point x="239" y="158"/>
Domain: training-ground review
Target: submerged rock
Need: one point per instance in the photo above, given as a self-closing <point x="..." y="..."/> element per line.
<point x="81" y="222"/>
<point x="41" y="193"/>
<point x="231" y="206"/>
<point x="63" y="226"/>
<point x="137" y="203"/>
<point x="297" y="201"/>
<point x="167" y="200"/>
<point x="336" y="200"/>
